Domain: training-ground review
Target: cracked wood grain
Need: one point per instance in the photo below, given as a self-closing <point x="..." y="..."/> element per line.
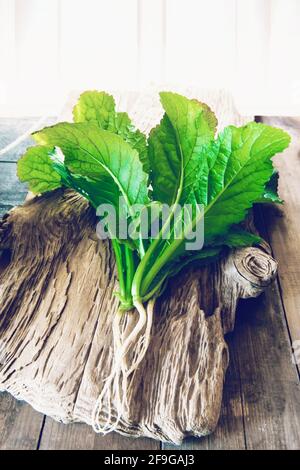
<point x="56" y="314"/>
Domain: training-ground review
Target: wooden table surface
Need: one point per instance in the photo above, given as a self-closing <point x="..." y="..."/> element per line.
<point x="261" y="402"/>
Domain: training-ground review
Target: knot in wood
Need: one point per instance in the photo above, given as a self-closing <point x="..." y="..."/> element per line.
<point x="255" y="266"/>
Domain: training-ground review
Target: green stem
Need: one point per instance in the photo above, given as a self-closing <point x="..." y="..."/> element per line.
<point x="148" y="279"/>
<point x="138" y="278"/>
<point x="119" y="262"/>
<point x="129" y="269"/>
<point x="141" y="247"/>
<point x="156" y="288"/>
<point x="166" y="257"/>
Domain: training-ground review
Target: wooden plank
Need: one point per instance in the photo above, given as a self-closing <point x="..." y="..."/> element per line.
<point x="12" y="191"/>
<point x="20" y="425"/>
<point x="7" y="50"/>
<point x="188" y="47"/>
<point x="37" y="32"/>
<point x="270" y="387"/>
<point x="82" y="44"/>
<point x="284" y="225"/>
<point x="82" y="437"/>
<point x="269" y="380"/>
<point x="151" y="47"/>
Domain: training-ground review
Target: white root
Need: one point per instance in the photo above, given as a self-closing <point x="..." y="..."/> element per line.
<point x="144" y="340"/>
<point x="107" y="386"/>
<point x="130" y="350"/>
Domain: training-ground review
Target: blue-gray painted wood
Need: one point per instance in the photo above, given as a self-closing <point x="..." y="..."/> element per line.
<point x="12" y="191"/>
<point x="11" y="129"/>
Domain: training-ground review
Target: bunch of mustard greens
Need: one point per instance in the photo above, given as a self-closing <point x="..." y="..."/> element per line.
<point x="103" y="156"/>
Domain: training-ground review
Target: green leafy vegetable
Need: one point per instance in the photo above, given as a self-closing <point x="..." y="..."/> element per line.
<point x="237" y="237"/>
<point x="92" y="152"/>
<point x="175" y="146"/>
<point x="99" y="108"/>
<point x="182" y="164"/>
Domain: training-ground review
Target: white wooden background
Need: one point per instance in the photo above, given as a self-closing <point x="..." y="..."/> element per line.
<point x="49" y="47"/>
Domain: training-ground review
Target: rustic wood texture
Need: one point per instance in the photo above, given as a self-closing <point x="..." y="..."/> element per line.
<point x="231" y="432"/>
<point x="57" y="436"/>
<point x="20" y="424"/>
<point x="71" y="329"/>
<point x="40" y="322"/>
<point x="283" y="225"/>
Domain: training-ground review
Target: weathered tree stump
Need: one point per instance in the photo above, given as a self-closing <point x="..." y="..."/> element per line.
<point x="56" y="289"/>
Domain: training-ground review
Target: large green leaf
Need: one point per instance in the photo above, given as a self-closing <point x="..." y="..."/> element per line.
<point x="101" y="156"/>
<point x="95" y="191"/>
<point x="175" y="146"/>
<point x="99" y="107"/>
<point x="239" y="166"/>
<point x="43" y="168"/>
<point x="36" y="168"/>
<point x="94" y="106"/>
<point x="236" y="238"/>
